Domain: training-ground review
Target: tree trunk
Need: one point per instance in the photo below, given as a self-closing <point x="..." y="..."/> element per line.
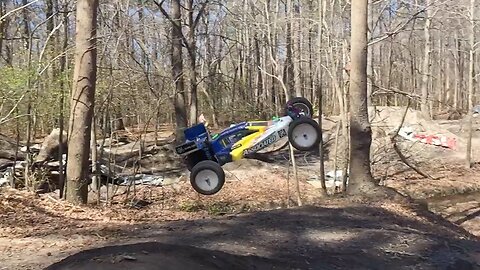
<point x="290" y="74"/>
<point x="30" y="120"/>
<point x="440" y="82"/>
<point x="177" y="71"/>
<point x="3" y="24"/>
<point x="320" y="96"/>
<point x="471" y="91"/>
<point x="51" y="46"/>
<point x="63" y="66"/>
<point x="426" y="62"/>
<point x="448" y="90"/>
<point x="118" y="123"/>
<point x="259" y="78"/>
<point x="192" y="53"/>
<point x="296" y="53"/>
<point x="370" y="70"/>
<point x="93" y="146"/>
<point x="82" y="102"/>
<point x="360" y="131"/>
<point x="458" y="72"/>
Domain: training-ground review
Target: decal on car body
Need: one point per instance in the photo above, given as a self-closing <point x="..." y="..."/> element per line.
<point x="266" y="142"/>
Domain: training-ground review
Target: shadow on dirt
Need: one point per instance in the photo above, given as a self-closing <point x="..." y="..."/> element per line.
<point x="358" y="237"/>
<point x="303" y="159"/>
<point x="153" y="255"/>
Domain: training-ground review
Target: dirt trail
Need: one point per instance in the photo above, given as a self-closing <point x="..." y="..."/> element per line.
<point x="336" y="237"/>
<point x="37" y="232"/>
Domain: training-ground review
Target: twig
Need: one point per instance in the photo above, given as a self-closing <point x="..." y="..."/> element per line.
<point x="297" y="184"/>
<point x="232" y="174"/>
<point x="288" y="182"/>
<point x="335" y="158"/>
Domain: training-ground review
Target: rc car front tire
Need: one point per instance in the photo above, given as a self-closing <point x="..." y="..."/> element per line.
<point x="207" y="177"/>
<point x="304" y="134"/>
<point x="300" y="103"/>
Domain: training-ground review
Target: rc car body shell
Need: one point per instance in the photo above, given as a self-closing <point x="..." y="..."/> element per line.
<point x="244" y="140"/>
<point x="235" y="142"/>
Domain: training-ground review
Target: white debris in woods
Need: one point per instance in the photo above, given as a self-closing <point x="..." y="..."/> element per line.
<point x="332" y="180"/>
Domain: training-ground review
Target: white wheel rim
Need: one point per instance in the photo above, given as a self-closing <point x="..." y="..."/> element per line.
<point x="304" y="135"/>
<point x="302" y="107"/>
<point x="206" y="180"/>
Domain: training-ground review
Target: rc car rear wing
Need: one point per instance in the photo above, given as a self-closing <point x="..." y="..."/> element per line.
<point x="194" y="137"/>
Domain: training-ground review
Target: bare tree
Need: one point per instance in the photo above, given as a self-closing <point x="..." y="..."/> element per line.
<point x="360" y="130"/>
<point x="426" y="60"/>
<point x="82" y="101"/>
<point x="320" y="95"/>
<point x="177" y="69"/>
<point x="471" y="75"/>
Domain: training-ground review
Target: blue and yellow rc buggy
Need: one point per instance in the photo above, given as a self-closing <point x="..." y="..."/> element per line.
<point x="204" y="154"/>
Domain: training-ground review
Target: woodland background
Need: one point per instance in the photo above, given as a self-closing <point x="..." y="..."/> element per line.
<point x="240" y="59"/>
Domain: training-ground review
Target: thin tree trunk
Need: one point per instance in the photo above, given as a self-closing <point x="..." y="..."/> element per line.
<point x="448" y="90"/>
<point x="440" y="81"/>
<point x="289" y="66"/>
<point x="192" y="67"/>
<point x="458" y="72"/>
<point x="426" y="62"/>
<point x="63" y="63"/>
<point x="296" y="53"/>
<point x="295" y="174"/>
<point x="345" y="127"/>
<point x="177" y="71"/>
<point x="320" y="95"/>
<point x="93" y="147"/>
<point x="471" y="90"/>
<point x="28" y="47"/>
<point x="370" y="70"/>
<point x="3" y="26"/>
<point x="259" y="79"/>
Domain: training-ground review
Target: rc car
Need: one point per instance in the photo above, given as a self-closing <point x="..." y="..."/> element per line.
<point x="205" y="154"/>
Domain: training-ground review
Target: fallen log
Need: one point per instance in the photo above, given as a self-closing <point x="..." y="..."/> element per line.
<point x="50" y="146"/>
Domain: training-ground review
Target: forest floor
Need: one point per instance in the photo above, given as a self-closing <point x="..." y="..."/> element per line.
<point x="330" y="234"/>
<point x="254" y="223"/>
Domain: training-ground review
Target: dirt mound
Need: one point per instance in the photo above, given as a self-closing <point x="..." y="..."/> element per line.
<point x="389" y="118"/>
<point x="334" y="237"/>
<point x="386" y="120"/>
<point x="152" y="255"/>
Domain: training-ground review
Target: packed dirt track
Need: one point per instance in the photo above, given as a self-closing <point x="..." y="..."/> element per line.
<point x="332" y="233"/>
<point x="336" y="237"/>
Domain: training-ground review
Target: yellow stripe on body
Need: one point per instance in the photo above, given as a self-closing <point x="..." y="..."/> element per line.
<point x="246" y="142"/>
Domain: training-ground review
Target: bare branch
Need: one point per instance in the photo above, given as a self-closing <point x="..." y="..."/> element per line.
<point x="397" y="30"/>
<point x="17" y="9"/>
<point x="397" y="150"/>
<point x="200" y="14"/>
<point x="5" y="118"/>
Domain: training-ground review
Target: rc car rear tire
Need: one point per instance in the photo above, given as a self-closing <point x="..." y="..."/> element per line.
<point x="207" y="177"/>
<point x="304" y="134"/>
<point x="301" y="103"/>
